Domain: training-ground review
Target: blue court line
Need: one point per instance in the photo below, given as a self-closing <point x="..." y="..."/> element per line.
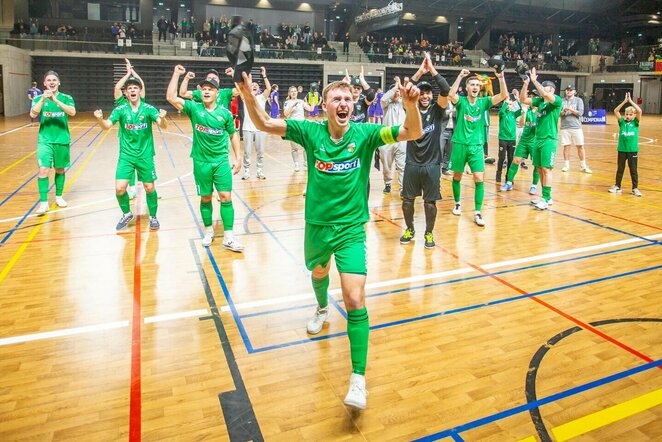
<point x="18" y="224"/>
<point x="466" y="308"/>
<point x="32" y="177"/>
<point x="463" y="279"/>
<point x="165" y="144"/>
<point x="217" y="271"/>
<point x="540" y="402"/>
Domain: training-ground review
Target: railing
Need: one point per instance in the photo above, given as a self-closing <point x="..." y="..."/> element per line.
<point x="64" y="44"/>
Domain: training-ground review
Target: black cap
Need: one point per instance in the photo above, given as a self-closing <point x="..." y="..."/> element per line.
<point x="570" y="87"/>
<point x="355" y="81"/>
<point x="424" y="85"/>
<point x="133" y="80"/>
<point x="549" y="83"/>
<point x="213" y="83"/>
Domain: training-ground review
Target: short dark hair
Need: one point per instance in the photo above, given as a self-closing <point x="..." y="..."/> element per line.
<point x="51" y="73"/>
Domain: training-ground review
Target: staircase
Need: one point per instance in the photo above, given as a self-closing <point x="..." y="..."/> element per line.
<point x="173" y="49"/>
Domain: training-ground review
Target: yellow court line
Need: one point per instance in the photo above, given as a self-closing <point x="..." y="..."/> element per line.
<point x="17" y="255"/>
<point x="529" y="439"/>
<point x="611" y="180"/>
<point x="17" y="162"/>
<point x="607" y="416"/>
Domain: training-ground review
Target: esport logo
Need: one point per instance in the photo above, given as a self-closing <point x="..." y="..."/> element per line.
<point x="331" y="167"/>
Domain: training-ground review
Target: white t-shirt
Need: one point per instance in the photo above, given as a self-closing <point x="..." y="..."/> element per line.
<point x="248" y="125"/>
<point x="297" y="110"/>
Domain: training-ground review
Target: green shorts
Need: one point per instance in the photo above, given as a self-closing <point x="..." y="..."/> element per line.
<point x="467" y="153"/>
<point x="524" y="149"/>
<point x="53" y="155"/>
<point x="346" y="241"/>
<point x="544" y="153"/>
<point x="144" y="166"/>
<point x="212" y="175"/>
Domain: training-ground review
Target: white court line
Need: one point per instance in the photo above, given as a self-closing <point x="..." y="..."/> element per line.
<point x="309" y="296"/>
<point x="464" y="270"/>
<point x="16" y="129"/>
<point x="91" y="203"/>
<point x="173" y="316"/>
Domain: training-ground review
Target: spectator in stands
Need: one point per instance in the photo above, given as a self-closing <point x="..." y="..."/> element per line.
<point x="33" y="93"/>
<point x="162" y="26"/>
<point x="34" y="29"/>
<point x="172" y="30"/>
<point x="206" y="29"/>
<point x="345" y="43"/>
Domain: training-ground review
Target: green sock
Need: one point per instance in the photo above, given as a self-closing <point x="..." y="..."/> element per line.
<point x="456" y="191"/>
<point x="512" y="171"/>
<point x="206" y="211"/>
<point x="59" y="184"/>
<point x="123" y="199"/>
<point x="227" y="215"/>
<point x="546" y="193"/>
<point x="152" y="202"/>
<point x="536" y="176"/>
<point x="479" y="196"/>
<point x="358" y="329"/>
<point x="132" y="180"/>
<point x="321" y="289"/>
<point x="42" y="183"/>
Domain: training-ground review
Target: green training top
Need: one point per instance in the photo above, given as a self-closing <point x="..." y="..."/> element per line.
<point x="548" y="117"/>
<point x="628" y="135"/>
<point x="211" y="131"/>
<point x="507" y="124"/>
<point x="54" y="122"/>
<point x="338" y="172"/>
<point x="470" y="128"/>
<point x="135" y="130"/>
<point x="529" y="130"/>
<point x="223" y="98"/>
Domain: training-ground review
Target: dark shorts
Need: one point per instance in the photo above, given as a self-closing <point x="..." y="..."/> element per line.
<point x="422" y="179"/>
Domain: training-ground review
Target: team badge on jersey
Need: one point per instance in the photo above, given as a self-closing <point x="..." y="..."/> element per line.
<point x="351" y="147"/>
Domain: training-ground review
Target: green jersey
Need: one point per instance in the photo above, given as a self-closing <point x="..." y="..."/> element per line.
<point x="628" y="135"/>
<point x="135" y="133"/>
<point x="211" y="131"/>
<point x="223" y="98"/>
<point x="529" y="129"/>
<point x="548" y="117"/>
<point x="54" y="122"/>
<point x="470" y="128"/>
<point x="338" y="172"/>
<point x="507" y="124"/>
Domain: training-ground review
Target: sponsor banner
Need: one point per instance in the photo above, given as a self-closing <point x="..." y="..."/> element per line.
<point x="647" y="66"/>
<point x="595" y="116"/>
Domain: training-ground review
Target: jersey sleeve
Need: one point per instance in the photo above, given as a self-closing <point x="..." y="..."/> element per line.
<point x="68" y="100"/>
<point x="486" y="104"/>
<point x="229" y="123"/>
<point x="296" y="131"/>
<point x="115" y="115"/>
<point x="558" y="102"/>
<point x="379" y="135"/>
<point x="537" y="101"/>
<point x="188" y="107"/>
<point x="153" y="113"/>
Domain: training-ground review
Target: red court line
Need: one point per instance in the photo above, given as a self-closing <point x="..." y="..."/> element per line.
<point x="135" y="392"/>
<point x="541" y="302"/>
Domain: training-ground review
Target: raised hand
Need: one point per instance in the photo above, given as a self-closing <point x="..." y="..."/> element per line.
<point x="162" y="113"/>
<point x="190" y="75"/>
<point x="263" y="71"/>
<point x="464" y="73"/>
<point x="179" y="69"/>
<point x="410" y="94"/>
<point x="48" y="94"/>
<point x="98" y="114"/>
<point x="347" y="78"/>
<point x="229" y="72"/>
<point x="245" y="86"/>
<point x="127" y="63"/>
<point x="533" y="75"/>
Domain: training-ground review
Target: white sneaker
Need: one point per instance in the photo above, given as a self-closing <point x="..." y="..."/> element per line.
<point x="586" y="169"/>
<point x="565" y="168"/>
<point x="315" y="324"/>
<point x="533" y="190"/>
<point x="60" y="201"/>
<point x="42" y="208"/>
<point x="357" y="394"/>
<point x="457" y="210"/>
<point x="636" y="192"/>
<point x="209" y="237"/>
<point x="541" y="204"/>
<point x="131" y="191"/>
<point x="246" y="175"/>
<point x="233" y="245"/>
<point x="260" y="175"/>
<point x="537" y="200"/>
<point x="478" y="219"/>
<point x="297" y="168"/>
<point x="615" y="189"/>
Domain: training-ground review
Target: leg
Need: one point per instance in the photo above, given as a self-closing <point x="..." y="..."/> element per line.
<point x="400" y="157"/>
<point x="249" y="139"/>
<point x="408" y="213"/>
<point x="294" y="150"/>
<point x="501" y="159"/>
<point x="42" y="182"/>
<point x="59" y="181"/>
<point x="622" y="157"/>
<point x="260" y="141"/>
<point x="633" y="158"/>
<point x="152" y="199"/>
<point x="123" y="201"/>
<point x="386" y="157"/>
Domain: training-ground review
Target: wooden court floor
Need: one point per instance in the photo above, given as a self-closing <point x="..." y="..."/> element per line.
<point x="540" y="326"/>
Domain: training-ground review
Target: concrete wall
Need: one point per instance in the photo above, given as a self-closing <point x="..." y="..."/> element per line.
<point x="16" y="76"/>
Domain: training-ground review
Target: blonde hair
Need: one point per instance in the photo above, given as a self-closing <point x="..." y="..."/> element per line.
<point x="336" y="85"/>
<point x="631" y="109"/>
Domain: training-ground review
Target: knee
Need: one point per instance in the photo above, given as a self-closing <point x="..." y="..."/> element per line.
<point x="149" y="187"/>
<point x="355" y="298"/>
<point x="206" y="199"/>
<point x="59" y="171"/>
<point x="225" y="196"/>
<point x="120" y="190"/>
<point x="43" y="172"/>
<point x="457" y="176"/>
